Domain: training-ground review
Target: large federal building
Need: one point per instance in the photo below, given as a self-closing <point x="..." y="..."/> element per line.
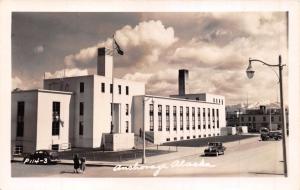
<point x="102" y="111"/>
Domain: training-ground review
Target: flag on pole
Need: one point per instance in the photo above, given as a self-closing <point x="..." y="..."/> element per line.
<point x="118" y="48"/>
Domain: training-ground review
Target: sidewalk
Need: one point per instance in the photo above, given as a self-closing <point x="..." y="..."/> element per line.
<point x="180" y="154"/>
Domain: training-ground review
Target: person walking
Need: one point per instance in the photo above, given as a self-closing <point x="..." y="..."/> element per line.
<point x="76" y="163"/>
<point x="82" y="164"/>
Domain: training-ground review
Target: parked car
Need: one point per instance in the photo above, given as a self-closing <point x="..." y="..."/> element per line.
<point x="42" y="157"/>
<point x="271" y="135"/>
<point x="214" y="148"/>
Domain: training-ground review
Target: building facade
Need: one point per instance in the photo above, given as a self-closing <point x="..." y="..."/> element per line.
<point x="256" y="119"/>
<point x="99" y="110"/>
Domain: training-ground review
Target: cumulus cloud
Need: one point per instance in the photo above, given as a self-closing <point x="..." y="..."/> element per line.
<point x="16" y="82"/>
<point x="38" y="49"/>
<point x="67" y="73"/>
<point x="143" y="44"/>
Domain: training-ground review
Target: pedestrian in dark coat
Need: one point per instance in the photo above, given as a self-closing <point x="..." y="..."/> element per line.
<point x="76" y="163"/>
<point x="82" y="164"/>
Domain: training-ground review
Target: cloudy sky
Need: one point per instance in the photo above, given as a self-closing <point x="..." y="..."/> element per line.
<point x="214" y="47"/>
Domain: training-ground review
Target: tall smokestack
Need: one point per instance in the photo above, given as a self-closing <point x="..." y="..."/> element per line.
<point x="104" y="62"/>
<point x="183" y="77"/>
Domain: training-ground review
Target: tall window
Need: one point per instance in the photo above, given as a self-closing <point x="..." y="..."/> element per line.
<point x="187" y="118"/>
<point x="204" y="119"/>
<point x="151" y="117"/>
<point x="167" y="118"/>
<point x="181" y="118"/>
<point x="111" y="88"/>
<point x="81" y="87"/>
<point x="80" y="127"/>
<point x="208" y="116"/>
<point x="20" y="119"/>
<point x="103" y="87"/>
<point x="127" y="127"/>
<point x="213" y="118"/>
<point x="159" y="117"/>
<point x="55" y="118"/>
<point x="193" y="118"/>
<point x="127" y="109"/>
<point x="81" y="108"/>
<point x="174" y="118"/>
<point x="120" y="89"/>
<point x="199" y="119"/>
<point x="218" y="125"/>
<point x="127" y="90"/>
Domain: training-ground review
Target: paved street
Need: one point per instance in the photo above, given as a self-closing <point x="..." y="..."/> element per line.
<point x="249" y="157"/>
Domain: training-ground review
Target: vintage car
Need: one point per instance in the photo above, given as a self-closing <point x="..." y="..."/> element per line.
<point x="214" y="148"/>
<point x="41" y="157"/>
<point x="275" y="135"/>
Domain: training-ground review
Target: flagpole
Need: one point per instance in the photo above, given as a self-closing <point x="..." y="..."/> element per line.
<point x="112" y="89"/>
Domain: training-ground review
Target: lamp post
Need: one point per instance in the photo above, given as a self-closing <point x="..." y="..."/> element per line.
<point x="250" y="73"/>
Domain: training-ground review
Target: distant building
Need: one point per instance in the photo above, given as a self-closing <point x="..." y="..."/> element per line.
<point x="255" y="119"/>
<point x="102" y="111"/>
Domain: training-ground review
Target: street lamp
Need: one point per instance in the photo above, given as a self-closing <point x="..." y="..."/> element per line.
<point x="250" y="73"/>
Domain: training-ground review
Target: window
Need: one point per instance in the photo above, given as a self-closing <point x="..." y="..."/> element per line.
<point x="119" y="89"/>
<point x="55" y="147"/>
<point x="151" y="117"/>
<point x="20" y="119"/>
<point x="127" y="109"/>
<point x="181" y="138"/>
<point x="167" y="118"/>
<point x="127" y="127"/>
<point x="174" y="118"/>
<point x="264" y="118"/>
<point x="103" y="87"/>
<point x="199" y="119"/>
<point x="181" y="118"/>
<point x="55" y="118"/>
<point x="272" y="119"/>
<point x="253" y="119"/>
<point x="204" y="135"/>
<point x="168" y="139"/>
<point x="204" y="120"/>
<point x="175" y="138"/>
<point x="194" y="136"/>
<point x="249" y="118"/>
<point x="80" y="127"/>
<point x="81" y="87"/>
<point x="193" y="118"/>
<point x="187" y="118"/>
<point x="159" y="117"/>
<point x="81" y="109"/>
<point x="18" y="149"/>
<point x="111" y="88"/>
<point x="188" y="137"/>
<point x="127" y="90"/>
<point x="199" y="136"/>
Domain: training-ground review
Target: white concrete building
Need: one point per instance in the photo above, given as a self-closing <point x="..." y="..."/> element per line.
<point x="95" y="110"/>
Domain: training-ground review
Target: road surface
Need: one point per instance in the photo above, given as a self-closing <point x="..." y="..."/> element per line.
<point x="242" y="158"/>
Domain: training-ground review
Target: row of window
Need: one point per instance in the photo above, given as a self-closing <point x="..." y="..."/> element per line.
<point x="81" y="88"/>
<point x="218" y="101"/>
<point x="264" y="118"/>
<point x="167" y="114"/>
<point x="194" y="136"/>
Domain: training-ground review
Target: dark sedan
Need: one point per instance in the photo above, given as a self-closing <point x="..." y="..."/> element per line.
<point x="41" y="157"/>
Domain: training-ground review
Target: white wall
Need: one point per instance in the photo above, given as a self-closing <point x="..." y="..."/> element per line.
<point x="44" y="119"/>
<point x="160" y="136"/>
<point x="28" y="141"/>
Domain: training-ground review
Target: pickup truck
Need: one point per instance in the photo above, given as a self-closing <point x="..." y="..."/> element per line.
<point x="214" y="148"/>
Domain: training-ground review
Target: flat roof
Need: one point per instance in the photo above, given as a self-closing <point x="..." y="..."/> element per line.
<point x="179" y="99"/>
<point x="43" y="90"/>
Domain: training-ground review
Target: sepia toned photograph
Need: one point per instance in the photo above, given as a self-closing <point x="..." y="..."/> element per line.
<point x="149" y="94"/>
